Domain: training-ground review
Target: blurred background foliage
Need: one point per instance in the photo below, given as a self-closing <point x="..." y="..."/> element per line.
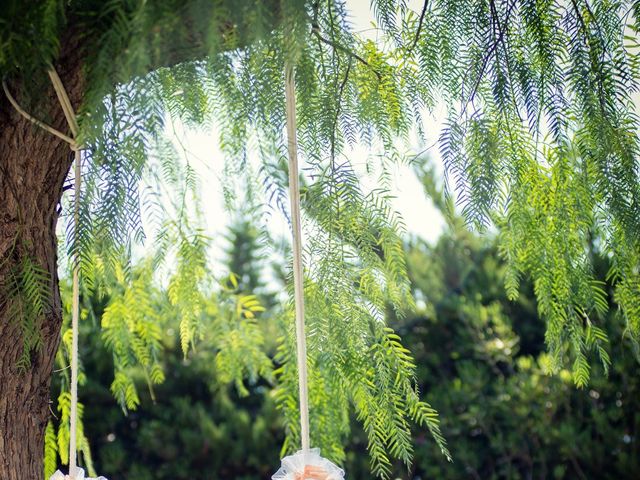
<point x="480" y="357"/>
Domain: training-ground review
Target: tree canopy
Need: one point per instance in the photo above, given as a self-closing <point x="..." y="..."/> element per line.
<point x="540" y="143"/>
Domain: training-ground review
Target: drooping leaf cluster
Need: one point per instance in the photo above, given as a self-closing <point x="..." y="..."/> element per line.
<point x="541" y="141"/>
<point x="347" y="93"/>
<point x="27" y="288"/>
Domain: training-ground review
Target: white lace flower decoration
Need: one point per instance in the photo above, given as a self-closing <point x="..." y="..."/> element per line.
<point x="308" y="466"/>
<point x="58" y="475"/>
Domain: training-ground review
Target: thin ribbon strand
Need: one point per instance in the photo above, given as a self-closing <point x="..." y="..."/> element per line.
<point x="75" y="315"/>
<point x="72" y="121"/>
<point x="65" y="103"/>
<point x="298" y="278"/>
<point x="34" y="120"/>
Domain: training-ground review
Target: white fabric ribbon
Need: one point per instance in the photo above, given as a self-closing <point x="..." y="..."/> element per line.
<point x="75" y="473"/>
<point x="308" y="465"/>
<point x="78" y="476"/>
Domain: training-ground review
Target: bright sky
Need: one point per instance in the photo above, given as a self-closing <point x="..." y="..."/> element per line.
<point x="416" y="209"/>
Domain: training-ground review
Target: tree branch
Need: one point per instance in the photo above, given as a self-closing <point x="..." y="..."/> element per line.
<point x="419" y="30"/>
<point x="343" y="84"/>
<point x="485" y="61"/>
<point x="342" y="48"/>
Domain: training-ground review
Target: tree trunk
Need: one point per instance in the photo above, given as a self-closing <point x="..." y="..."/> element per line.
<point x="33" y="168"/>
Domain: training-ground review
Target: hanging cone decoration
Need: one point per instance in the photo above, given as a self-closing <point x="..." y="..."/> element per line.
<point x="75" y="473"/>
<point x="308" y="466"/>
<point x="78" y="476"/>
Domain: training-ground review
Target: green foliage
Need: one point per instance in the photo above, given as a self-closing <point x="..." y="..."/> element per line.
<point x="131" y="330"/>
<point x="64" y="408"/>
<point x="354" y="96"/>
<point x="478" y="354"/>
<point x="245" y="255"/>
<point x="198" y="427"/>
<point x="239" y="339"/>
<point x="541" y="141"/>
<point x="184" y="292"/>
<point x="29" y="33"/>
<point x="28" y="291"/>
<point x="50" y="450"/>
<point x="358" y="272"/>
<point x="481" y="356"/>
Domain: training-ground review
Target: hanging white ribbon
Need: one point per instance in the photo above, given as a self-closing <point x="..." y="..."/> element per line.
<point x="298" y="276"/>
<point x="307" y="464"/>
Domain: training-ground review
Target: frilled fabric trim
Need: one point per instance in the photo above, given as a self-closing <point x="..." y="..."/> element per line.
<point x="308" y="466"/>
<point x="58" y="475"/>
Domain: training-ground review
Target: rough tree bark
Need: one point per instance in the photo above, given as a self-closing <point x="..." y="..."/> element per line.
<point x="33" y="168"/>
